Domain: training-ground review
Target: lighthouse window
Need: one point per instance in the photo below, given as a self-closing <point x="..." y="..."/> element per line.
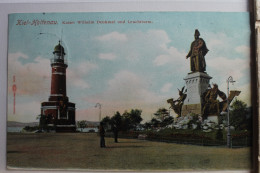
<point x="55" y="69"/>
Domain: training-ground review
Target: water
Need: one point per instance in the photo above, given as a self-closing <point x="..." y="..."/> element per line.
<point x="14" y="129"/>
<point x="87" y="129"/>
<point x="19" y="129"/>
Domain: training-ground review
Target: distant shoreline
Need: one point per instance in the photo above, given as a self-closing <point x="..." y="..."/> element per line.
<point x="21" y="124"/>
<point x="14" y="126"/>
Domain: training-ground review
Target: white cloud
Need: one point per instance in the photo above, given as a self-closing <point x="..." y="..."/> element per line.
<point x="76" y="76"/>
<point x="243" y="49"/>
<point x="220" y="44"/>
<point x="116" y="36"/>
<point x="138" y="46"/>
<point x="216" y="40"/>
<point x="107" y="56"/>
<point x="164" y="55"/>
<point x="125" y="91"/>
<point x="160" y="37"/>
<point x="226" y="67"/>
<point x="245" y="94"/>
<point x="31" y="78"/>
<point x="78" y="82"/>
<point x="35" y="77"/>
<point x="129" y="87"/>
<point x="172" y="55"/>
<point x="166" y="87"/>
<point x="85" y="67"/>
<point x="17" y="55"/>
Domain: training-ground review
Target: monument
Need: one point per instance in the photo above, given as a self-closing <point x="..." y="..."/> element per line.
<point x="197" y="81"/>
<point x="59" y="112"/>
<point x="199" y="96"/>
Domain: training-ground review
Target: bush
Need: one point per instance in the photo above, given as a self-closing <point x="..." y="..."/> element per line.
<point x="30" y="129"/>
<point x="219" y="135"/>
<point x="245" y="134"/>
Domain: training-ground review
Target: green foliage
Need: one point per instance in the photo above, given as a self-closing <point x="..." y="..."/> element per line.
<point x="130" y="120"/>
<point x="240" y="116"/>
<point x="116" y="122"/>
<point x="195" y="120"/>
<point x="147" y="125"/>
<point x="162" y="119"/>
<point x="106" y="122"/>
<point x="82" y="124"/>
<point x="155" y="123"/>
<point x="219" y="134"/>
<point x="31" y="129"/>
<point x="161" y="114"/>
<point x="125" y="122"/>
<point x="167" y="121"/>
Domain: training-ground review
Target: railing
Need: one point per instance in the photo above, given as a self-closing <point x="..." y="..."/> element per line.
<point x="59" y="60"/>
<point x="235" y="143"/>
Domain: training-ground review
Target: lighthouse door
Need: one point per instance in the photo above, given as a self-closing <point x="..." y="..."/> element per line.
<point x="63" y="111"/>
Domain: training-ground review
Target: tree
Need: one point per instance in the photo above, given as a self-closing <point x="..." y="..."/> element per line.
<point x="240" y="116"/>
<point x="161" y="114"/>
<point x="130" y="120"/>
<point x="162" y="118"/>
<point x="82" y="124"/>
<point x="219" y="134"/>
<point x="135" y="117"/>
<point x="147" y="125"/>
<point x="116" y="123"/>
<point x="126" y="123"/>
<point x="167" y="121"/>
<point x="106" y="122"/>
<point x="155" y="123"/>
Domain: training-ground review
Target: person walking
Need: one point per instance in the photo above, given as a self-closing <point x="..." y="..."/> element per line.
<point x="102" y="135"/>
<point x="115" y="131"/>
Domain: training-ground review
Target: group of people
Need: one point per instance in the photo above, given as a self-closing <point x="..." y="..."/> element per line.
<point x="102" y="135"/>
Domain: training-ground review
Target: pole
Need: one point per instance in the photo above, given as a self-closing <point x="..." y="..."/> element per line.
<point x="228" y="133"/>
<point x="100" y="113"/>
<point x="229" y="80"/>
<point x="99" y="106"/>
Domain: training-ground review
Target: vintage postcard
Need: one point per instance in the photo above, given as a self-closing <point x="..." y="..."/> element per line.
<point x="129" y="91"/>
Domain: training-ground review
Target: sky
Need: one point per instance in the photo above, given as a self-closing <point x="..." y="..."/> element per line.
<point x="122" y="65"/>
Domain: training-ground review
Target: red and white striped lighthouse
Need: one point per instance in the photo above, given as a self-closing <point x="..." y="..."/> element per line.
<point x="59" y="112"/>
<point x="58" y="77"/>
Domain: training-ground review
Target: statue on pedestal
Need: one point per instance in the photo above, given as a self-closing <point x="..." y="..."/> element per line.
<point x="198" y="50"/>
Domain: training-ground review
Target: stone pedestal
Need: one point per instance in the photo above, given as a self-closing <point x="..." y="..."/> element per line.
<point x="196" y="84"/>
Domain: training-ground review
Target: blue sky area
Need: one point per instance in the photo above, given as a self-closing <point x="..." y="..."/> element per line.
<point x="122" y="65"/>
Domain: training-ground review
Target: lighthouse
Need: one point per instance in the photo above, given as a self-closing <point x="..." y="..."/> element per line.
<point x="58" y="112"/>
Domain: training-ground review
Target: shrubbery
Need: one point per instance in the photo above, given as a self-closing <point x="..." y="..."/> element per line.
<point x="31" y="129"/>
<point x="195" y="137"/>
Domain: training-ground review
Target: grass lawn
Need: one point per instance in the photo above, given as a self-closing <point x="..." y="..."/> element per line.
<point x="82" y="151"/>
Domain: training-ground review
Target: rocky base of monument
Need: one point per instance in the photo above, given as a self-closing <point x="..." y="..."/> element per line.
<point x="194" y="122"/>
